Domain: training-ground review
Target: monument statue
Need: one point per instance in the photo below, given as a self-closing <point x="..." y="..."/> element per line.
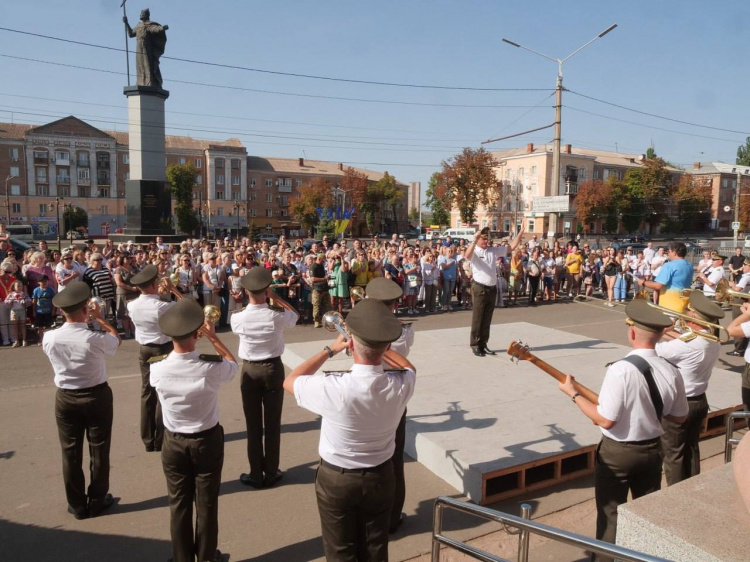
<point x="150" y="41"/>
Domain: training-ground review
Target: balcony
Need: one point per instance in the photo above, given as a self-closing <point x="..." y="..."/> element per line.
<point x="62" y="161"/>
<point x="63" y="179"/>
<point x="102" y="163"/>
<point x="41" y="158"/>
<point x="102" y="178"/>
<point x="84" y="180"/>
<point x="41" y="179"/>
<point x="83" y="163"/>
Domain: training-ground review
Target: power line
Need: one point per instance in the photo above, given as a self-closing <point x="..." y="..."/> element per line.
<point x="280" y="73"/>
<point x="657" y="116"/>
<point x="274" y="92"/>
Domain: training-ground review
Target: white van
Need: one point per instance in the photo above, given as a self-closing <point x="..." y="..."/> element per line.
<point x="466" y="233"/>
<point x="22" y="232"/>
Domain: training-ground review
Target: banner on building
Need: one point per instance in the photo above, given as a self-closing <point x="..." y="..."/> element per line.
<point x="555" y="204"/>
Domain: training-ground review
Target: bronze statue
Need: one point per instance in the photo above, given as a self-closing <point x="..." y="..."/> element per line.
<point x="150" y="41"/>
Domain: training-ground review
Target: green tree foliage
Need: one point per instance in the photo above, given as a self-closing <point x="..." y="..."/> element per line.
<point x="440" y="214"/>
<point x="743" y="153"/>
<point x="74" y="218"/>
<point x="318" y="193"/>
<point x="253" y="231"/>
<point x="648" y="190"/>
<point x="693" y="198"/>
<point x="326" y="227"/>
<point x="181" y="178"/>
<point x="468" y="180"/>
<point x="413" y="214"/>
<point x="387" y="190"/>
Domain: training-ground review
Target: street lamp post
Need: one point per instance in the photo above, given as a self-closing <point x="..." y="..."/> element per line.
<point x="236" y="209"/>
<point x="558" y="113"/>
<point x="7" y="197"/>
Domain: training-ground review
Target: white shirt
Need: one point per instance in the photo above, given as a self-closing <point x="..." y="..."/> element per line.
<point x="746" y="329"/>
<point x="744" y="283"/>
<point x="261" y="331"/>
<point x="77" y="355"/>
<point x="648" y="254"/>
<point x="715" y="274"/>
<point x="484" y="264"/>
<point x="188" y="389"/>
<point x="144" y="312"/>
<point x="624" y="398"/>
<point x="404" y="342"/>
<point x="361" y="410"/>
<point x="695" y="359"/>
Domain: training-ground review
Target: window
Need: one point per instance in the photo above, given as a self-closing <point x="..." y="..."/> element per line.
<point x="63" y="190"/>
<point x="269" y="182"/>
<point x="235" y="164"/>
<point x="219" y="163"/>
<point x="252" y="212"/>
<point x="506" y="225"/>
<point x="181" y="160"/>
<point x="40" y="155"/>
<point x="531" y="225"/>
<point x="220" y="179"/>
<point x="220" y="212"/>
<point x="125" y="158"/>
<point x="582" y="175"/>
<point x="299" y="183"/>
<point x="533" y="170"/>
<point x="14" y="155"/>
<point x="62" y="156"/>
<point x="104" y="209"/>
<point x="252" y="182"/>
<point x="198" y="163"/>
<point x="63" y="175"/>
<point x="102" y="192"/>
<point x="14" y="171"/>
<point x="220" y="195"/>
<point x="235" y="180"/>
<point x="283" y="201"/>
<point x="269" y="226"/>
<point x="725" y="182"/>
<point x="15" y="190"/>
<point x="199" y="180"/>
<point x="734" y="184"/>
<point x="596" y="174"/>
<point x="83" y="191"/>
<point x="42" y="208"/>
<point x="102" y="159"/>
<point x="520" y="172"/>
<point x="283" y="212"/>
<point x="127" y="176"/>
<point x="15" y="207"/>
<point x="269" y="212"/>
<point x="251" y="196"/>
<point x="236" y="195"/>
<point x="269" y="198"/>
<point x="41" y="175"/>
<point x="83" y="159"/>
<point x="84" y="174"/>
<point x="42" y="190"/>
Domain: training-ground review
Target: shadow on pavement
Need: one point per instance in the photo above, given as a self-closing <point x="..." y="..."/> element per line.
<point x="311" y="549"/>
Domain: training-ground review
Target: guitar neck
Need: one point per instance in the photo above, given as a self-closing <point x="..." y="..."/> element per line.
<point x="584" y="391"/>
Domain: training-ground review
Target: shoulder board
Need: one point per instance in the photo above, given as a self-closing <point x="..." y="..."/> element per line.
<point x="211" y="357"/>
<point x="158" y="358"/>
<point x="396" y="370"/>
<point x="239" y="309"/>
<point x="334" y="373"/>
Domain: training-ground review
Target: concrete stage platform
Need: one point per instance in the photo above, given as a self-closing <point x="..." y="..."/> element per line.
<point x="493" y="429"/>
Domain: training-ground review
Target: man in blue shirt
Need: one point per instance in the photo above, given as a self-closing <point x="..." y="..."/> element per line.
<point x="674" y="276"/>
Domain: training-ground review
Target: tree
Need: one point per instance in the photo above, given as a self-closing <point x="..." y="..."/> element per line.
<point x="181" y="178"/>
<point x="649" y="189"/>
<point x="743" y="153"/>
<point x="253" y="231"/>
<point x="440" y="215"/>
<point x="326" y="226"/>
<point x="318" y="194"/>
<point x="468" y="180"/>
<point x="414" y="214"/>
<point x="388" y="191"/>
<point x="74" y="218"/>
<point x="693" y="198"/>
<point x="594" y="201"/>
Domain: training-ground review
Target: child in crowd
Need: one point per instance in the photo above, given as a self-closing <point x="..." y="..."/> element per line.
<point x="41" y="299"/>
<point x="17" y="301"/>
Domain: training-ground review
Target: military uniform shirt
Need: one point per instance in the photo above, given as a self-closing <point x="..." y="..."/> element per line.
<point x="361" y="410"/>
<point x="695" y="359"/>
<point x="77" y="355"/>
<point x="744" y="283"/>
<point x="715" y="274"/>
<point x="144" y="312"/>
<point x="624" y="398"/>
<point x="404" y="342"/>
<point x="261" y="331"/>
<point x="484" y="264"/>
<point x="746" y="330"/>
<point x="188" y="389"/>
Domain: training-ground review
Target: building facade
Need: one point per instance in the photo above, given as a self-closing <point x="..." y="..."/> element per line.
<point x="71" y="162"/>
<point x="724" y="180"/>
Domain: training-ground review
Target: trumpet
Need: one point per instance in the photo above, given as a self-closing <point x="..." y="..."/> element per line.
<point x="212" y="313"/>
<point x="167" y="285"/>
<point x="334" y="322"/>
<point x="96" y="303"/>
<point x="681" y="323"/>
<point x="724" y="294"/>
<point x="357" y="293"/>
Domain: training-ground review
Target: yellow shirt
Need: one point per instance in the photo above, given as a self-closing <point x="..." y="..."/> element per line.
<point x="573" y="263"/>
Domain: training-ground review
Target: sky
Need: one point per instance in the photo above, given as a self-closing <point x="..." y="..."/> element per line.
<point x="678" y="60"/>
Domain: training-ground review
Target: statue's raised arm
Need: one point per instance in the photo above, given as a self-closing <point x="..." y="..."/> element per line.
<point x="151" y="38"/>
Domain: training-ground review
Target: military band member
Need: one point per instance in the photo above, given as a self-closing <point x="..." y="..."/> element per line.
<point x="192" y="453"/>
<point x="695" y="359"/>
<point x="742" y="285"/>
<point x="740" y="327"/>
<point x="714" y="275"/>
<point x="261" y="332"/>
<point x="145" y="312"/>
<point x="636" y="394"/>
<point x="361" y="409"/>
<point x="83" y="404"/>
<point x="388" y="292"/>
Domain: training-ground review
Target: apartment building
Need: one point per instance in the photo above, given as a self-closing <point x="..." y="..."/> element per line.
<point x="69" y="161"/>
<point x="723" y="180"/>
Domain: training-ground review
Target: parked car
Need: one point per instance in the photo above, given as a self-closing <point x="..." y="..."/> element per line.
<point x="75" y="235"/>
<point x="270" y="238"/>
<point x="409" y="235"/>
<point x="703" y="244"/>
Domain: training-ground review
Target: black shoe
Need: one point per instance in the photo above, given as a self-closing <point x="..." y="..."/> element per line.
<point x="488" y="351"/>
<point x="78" y="514"/>
<point x="149" y="448"/>
<point x="269" y="481"/>
<point x="395" y="526"/>
<point x="248" y="481"/>
<point x="97" y="506"/>
<point x="735" y="353"/>
<point x="478" y="351"/>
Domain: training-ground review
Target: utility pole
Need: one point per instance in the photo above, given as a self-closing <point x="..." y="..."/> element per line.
<point x="737" y="195"/>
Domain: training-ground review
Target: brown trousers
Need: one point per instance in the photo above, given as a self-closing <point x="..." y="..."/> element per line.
<point x="86" y="412"/>
<point x="355" y="512"/>
<point x="682" y="456"/>
<point x="483" y="298"/>
<point x="152" y="424"/>
<point x="192" y="465"/>
<point x="321" y="301"/>
<point x="262" y="400"/>
<point x="399" y="491"/>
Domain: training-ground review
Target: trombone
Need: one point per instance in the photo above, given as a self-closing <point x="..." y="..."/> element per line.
<point x="682" y="320"/>
<point x="724" y="294"/>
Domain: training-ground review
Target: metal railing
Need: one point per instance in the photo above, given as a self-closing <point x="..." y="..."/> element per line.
<point x="524" y="527"/>
<point x="730" y="441"/>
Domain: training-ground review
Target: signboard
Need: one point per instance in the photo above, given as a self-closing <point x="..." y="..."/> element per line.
<point x="735" y="226"/>
<point x="557" y="204"/>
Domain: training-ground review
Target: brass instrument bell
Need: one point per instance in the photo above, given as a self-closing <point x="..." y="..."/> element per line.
<point x="334" y="322"/>
<point x="174" y="279"/>
<point x="97" y="303"/>
<point x="357" y="294"/>
<point x="212" y="313"/>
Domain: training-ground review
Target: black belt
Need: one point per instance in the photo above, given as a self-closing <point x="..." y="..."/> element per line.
<point x="483" y="285"/>
<point x="354" y="470"/>
<point x="81" y="390"/>
<point x="156" y="344"/>
<point x="653" y="441"/>
<point x="197" y="435"/>
<point x="694" y="398"/>
<point x="269" y="360"/>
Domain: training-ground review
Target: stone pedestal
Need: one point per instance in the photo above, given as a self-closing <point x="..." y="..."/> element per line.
<point x="147" y="195"/>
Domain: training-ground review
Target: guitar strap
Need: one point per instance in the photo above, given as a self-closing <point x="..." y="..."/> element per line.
<point x="645" y="368"/>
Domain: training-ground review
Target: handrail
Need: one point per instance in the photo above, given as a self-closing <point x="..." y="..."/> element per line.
<point x="729" y="440"/>
<point x="525" y="527"/>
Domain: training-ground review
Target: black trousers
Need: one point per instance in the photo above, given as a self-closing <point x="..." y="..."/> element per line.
<point x="746" y="386"/>
<point x="399" y="491"/>
<point x="740" y="344"/>
<point x="533" y="289"/>
<point x="262" y="400"/>
<point x="484" y="298"/>
<point x="152" y="424"/>
<point x="192" y="465"/>
<point x="682" y="456"/>
<point x="633" y="467"/>
<point x="355" y="512"/>
<point x="84" y="412"/>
